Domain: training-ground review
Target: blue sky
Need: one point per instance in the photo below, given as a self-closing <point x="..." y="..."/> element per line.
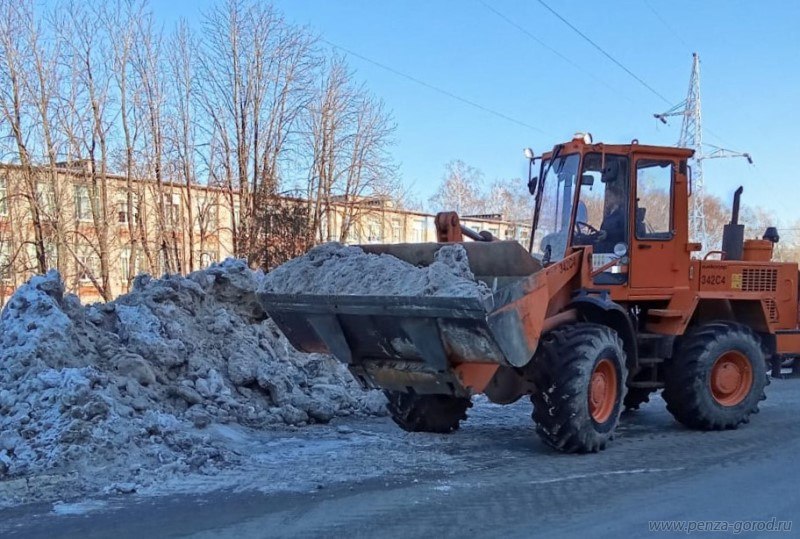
<point x="750" y="81"/>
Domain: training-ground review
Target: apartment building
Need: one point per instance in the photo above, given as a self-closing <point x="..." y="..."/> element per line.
<point x="100" y="233"/>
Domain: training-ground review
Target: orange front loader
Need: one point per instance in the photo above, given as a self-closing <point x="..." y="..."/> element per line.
<point x="606" y="306"/>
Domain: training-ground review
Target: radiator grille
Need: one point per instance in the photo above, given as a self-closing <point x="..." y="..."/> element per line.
<point x="759" y="280"/>
<point x="772" y="309"/>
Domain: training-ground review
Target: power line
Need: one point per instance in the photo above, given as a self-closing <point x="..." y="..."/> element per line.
<point x="606" y="54"/>
<point x="685" y="44"/>
<point x="437" y="89"/>
<point x="548" y="47"/>
<point x="666" y="24"/>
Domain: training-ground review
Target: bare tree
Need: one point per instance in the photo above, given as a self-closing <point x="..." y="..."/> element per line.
<point x="148" y="61"/>
<point x="256" y="71"/>
<point x="122" y="20"/>
<point x="16" y="104"/>
<point x="87" y="123"/>
<point x="182" y="131"/>
<point x="511" y="199"/>
<point x="460" y="190"/>
<point x="200" y="127"/>
<point x="351" y="174"/>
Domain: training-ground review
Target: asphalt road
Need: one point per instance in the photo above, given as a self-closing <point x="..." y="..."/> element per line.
<point x="503" y="483"/>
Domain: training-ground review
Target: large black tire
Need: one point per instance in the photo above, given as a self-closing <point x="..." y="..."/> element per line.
<point x="694" y="394"/>
<point x="562" y="373"/>
<point x="636" y="396"/>
<point x="427" y="413"/>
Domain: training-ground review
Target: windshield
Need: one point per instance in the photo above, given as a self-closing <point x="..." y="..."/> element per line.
<point x="557" y="190"/>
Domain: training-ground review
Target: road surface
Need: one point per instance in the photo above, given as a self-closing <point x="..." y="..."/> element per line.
<point x="499" y="481"/>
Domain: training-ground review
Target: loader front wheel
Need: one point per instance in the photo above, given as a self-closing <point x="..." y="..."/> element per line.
<point x="427" y="413"/>
<point x="717" y="378"/>
<point x="579" y="372"/>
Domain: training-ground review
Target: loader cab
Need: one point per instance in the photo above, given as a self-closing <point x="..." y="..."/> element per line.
<point x="629" y="203"/>
<point x="605" y="195"/>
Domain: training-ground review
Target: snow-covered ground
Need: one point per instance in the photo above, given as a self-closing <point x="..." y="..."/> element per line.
<point x="363" y="477"/>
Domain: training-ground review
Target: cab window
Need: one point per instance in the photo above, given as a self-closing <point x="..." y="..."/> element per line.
<point x="601" y="218"/>
<point x="654" y="199"/>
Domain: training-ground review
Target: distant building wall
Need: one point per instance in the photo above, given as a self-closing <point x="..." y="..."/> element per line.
<point x="72" y="221"/>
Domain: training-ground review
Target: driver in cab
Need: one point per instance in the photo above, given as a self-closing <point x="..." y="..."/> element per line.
<point x="612" y="230"/>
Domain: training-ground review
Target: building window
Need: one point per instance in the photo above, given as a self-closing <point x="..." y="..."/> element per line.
<point x="374" y="232"/>
<point x="83" y="205"/>
<point x="161" y="262"/>
<point x="51" y="254"/>
<point x="3" y="197"/>
<point x="172" y="209"/>
<point x="46" y="198"/>
<point x="206" y="212"/>
<point x="31" y="258"/>
<point x="396" y="238"/>
<point x="237" y="214"/>
<point x="125" y="263"/>
<point x="418" y="232"/>
<point x="122" y="209"/>
<point x="352" y="235"/>
<point x="206" y="259"/>
<point x="88" y="267"/>
<point x="5" y="261"/>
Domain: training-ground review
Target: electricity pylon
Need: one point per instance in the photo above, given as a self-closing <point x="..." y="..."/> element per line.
<point x="692" y="137"/>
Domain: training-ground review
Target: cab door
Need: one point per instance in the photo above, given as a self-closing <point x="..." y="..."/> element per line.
<point x="653" y="249"/>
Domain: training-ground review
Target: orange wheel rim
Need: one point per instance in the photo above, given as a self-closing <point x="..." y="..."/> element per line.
<point x="603" y="391"/>
<point x="731" y="378"/>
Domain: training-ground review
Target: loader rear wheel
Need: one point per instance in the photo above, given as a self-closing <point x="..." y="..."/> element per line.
<point x="717" y="378"/>
<point x="579" y="372"/>
<point x="427" y="413"/>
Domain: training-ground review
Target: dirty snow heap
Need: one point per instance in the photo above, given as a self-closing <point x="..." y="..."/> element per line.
<point x="333" y="268"/>
<point x="117" y="391"/>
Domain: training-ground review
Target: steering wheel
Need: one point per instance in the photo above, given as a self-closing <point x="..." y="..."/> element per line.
<point x="587" y="234"/>
<point x="581" y="226"/>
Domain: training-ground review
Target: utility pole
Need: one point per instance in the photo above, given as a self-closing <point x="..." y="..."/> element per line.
<point x="692" y="137"/>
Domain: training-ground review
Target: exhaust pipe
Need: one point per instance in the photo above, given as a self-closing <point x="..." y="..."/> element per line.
<point x="733" y="233"/>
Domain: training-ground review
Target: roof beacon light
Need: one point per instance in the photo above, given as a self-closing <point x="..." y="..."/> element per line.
<point x="585" y="137"/>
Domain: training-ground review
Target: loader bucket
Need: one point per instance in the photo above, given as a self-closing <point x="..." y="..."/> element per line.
<point x="397" y="342"/>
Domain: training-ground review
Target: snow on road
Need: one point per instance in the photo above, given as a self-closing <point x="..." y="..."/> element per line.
<point x="363" y="477"/>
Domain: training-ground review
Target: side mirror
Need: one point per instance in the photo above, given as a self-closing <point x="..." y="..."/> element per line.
<point x="772" y="235"/>
<point x="532" y="183"/>
<point x="587" y="179"/>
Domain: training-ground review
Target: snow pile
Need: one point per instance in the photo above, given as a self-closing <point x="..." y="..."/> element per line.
<point x="127" y="388"/>
<point x="333" y="268"/>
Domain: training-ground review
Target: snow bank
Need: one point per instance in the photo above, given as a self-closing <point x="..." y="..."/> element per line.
<point x="135" y="392"/>
<point x="114" y="392"/>
<point x="333" y="268"/>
